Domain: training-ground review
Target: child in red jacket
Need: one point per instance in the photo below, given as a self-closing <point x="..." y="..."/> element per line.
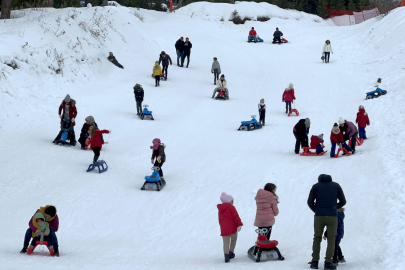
<point x="230" y="224"/>
<point x="336" y="137"/>
<point x="97" y="142"/>
<point x="362" y="121"/>
<point x="317" y="143"/>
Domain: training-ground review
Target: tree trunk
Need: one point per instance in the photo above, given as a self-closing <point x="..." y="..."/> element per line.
<point x="179" y="4"/>
<point x="5" y="9"/>
<point x="105" y="2"/>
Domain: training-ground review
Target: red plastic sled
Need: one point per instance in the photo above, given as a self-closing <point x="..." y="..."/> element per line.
<point x="45" y="243"/>
<point x="342" y="149"/>
<point x="309" y="153"/>
<point x="358" y="141"/>
<point x="294" y="111"/>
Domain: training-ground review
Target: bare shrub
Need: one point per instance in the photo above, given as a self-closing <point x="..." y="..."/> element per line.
<point x="237" y="19"/>
<point x="263" y="18"/>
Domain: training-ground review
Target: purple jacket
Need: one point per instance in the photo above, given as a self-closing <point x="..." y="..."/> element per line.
<point x="351" y="128"/>
<point x="53" y="224"/>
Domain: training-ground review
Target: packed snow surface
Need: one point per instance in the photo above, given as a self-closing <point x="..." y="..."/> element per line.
<point x="107" y="222"/>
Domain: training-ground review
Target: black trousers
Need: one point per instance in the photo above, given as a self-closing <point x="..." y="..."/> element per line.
<point x="164" y="70"/>
<point x="262" y="116"/>
<point x="96" y="151"/>
<point x="353" y="142"/>
<point x="338" y="251"/>
<point x="268" y="232"/>
<point x="139" y="106"/>
<point x="277" y="39"/>
<point x="157" y="164"/>
<point x="300" y="141"/>
<point x="157" y="80"/>
<point x="188" y="59"/>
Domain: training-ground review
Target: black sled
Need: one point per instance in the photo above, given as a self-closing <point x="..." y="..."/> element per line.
<point x="264" y="249"/>
<point x="154" y="182"/>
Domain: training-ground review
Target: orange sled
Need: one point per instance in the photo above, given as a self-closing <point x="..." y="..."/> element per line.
<point x="309" y="153"/>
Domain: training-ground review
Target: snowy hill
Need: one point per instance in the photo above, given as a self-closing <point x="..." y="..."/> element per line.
<point x="107" y="222"/>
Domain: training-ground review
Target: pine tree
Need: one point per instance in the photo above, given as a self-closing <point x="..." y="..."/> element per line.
<point x="340" y="4"/>
<point x="351" y="5"/>
<point x="321" y="9"/>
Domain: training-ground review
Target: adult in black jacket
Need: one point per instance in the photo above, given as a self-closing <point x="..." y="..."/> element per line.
<point x="84" y="133"/>
<point x="138" y="92"/>
<point x="179" y="49"/>
<point x="301" y="130"/>
<point x="187" y="51"/>
<point x="277" y="36"/>
<point x="165" y="59"/>
<point x="322" y="200"/>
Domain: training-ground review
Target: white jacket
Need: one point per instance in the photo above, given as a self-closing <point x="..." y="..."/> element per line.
<point x="327" y="48"/>
<point x="222" y="84"/>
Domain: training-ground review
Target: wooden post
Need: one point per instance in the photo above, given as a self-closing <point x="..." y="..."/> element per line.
<point x="361" y="6"/>
<point x="5" y="9"/>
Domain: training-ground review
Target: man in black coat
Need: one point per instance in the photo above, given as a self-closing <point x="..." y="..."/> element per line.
<point x="301" y="130"/>
<point x="277" y="36"/>
<point x="138" y="91"/>
<point x="165" y="59"/>
<point x="322" y="200"/>
<point x="187" y="50"/>
<point x="179" y="49"/>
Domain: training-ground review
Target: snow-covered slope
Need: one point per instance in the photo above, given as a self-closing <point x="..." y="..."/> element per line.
<point x="108" y="223"/>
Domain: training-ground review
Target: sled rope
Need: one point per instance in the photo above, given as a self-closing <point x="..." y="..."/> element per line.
<point x="105" y="148"/>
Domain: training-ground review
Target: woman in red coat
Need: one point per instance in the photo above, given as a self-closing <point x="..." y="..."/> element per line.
<point x="230" y="224"/>
<point x="336" y="137"/>
<point x="288" y="97"/>
<point x="97" y="142"/>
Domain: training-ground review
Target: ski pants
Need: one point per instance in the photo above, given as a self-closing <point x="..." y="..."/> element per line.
<point x="262" y="116"/>
<point x="303" y="141"/>
<point x="138" y="106"/>
<point x="219" y="90"/>
<point x="287" y="105"/>
<point x="277" y="39"/>
<point x="157" y="80"/>
<point x="164" y="70"/>
<point x="327" y="55"/>
<point x="96" y="151"/>
<point x="320" y="222"/>
<point x="319" y="149"/>
<point x="337" y="255"/>
<point x="179" y="56"/>
<point x="254" y="38"/>
<point x="118" y="65"/>
<point x="268" y="232"/>
<point x="229" y="242"/>
<point x="332" y="150"/>
<point x="159" y="164"/>
<point x="52" y="239"/>
<point x="362" y="133"/>
<point x="216" y="75"/>
<point x="184" y="57"/>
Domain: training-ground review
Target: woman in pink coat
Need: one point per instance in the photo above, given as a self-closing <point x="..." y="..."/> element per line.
<point x="267" y="209"/>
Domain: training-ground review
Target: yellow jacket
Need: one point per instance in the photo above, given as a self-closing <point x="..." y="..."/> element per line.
<point x="157" y="70"/>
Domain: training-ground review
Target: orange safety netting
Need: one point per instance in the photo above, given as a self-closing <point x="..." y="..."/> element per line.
<point x="403" y="3"/>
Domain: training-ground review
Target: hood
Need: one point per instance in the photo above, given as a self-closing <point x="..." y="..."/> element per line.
<point x="223" y="207"/>
<point x="362" y="111"/>
<point x="40" y="215"/>
<point x="336" y="129"/>
<point x="265" y="196"/>
<point x="288" y="89"/>
<point x="324" y="178"/>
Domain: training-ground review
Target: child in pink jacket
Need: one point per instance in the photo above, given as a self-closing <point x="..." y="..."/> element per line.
<point x="267" y="209"/>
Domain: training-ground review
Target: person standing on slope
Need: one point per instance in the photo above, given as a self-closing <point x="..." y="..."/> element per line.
<point x="187" y="51"/>
<point x="349" y="131"/>
<point x="157" y="72"/>
<point x="165" y="59"/>
<point x="362" y="121"/>
<point x="266" y="208"/>
<point x="158" y="152"/>
<point x="327" y="49"/>
<point x="216" y="69"/>
<point x="230" y="224"/>
<point x="97" y="141"/>
<point x="322" y="200"/>
<point x="84" y="134"/>
<point x="277" y="36"/>
<point x="338" y="255"/>
<point x="262" y="111"/>
<point x="336" y="137"/>
<point x="179" y="49"/>
<point x="301" y="131"/>
<point x="67" y="109"/>
<point x="288" y="97"/>
<point x="138" y="92"/>
<point x="253" y="34"/>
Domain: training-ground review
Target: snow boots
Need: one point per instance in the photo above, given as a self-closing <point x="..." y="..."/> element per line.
<point x="95" y="158"/>
<point x="227" y="259"/>
<point x="314" y="265"/>
<point x="329" y="266"/>
<point x="231" y="255"/>
<point x="23" y="250"/>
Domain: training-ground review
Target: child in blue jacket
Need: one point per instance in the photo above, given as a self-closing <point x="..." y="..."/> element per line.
<point x="338" y="257"/>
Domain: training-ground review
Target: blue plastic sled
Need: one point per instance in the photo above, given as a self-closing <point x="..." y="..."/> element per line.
<point x="250" y="125"/>
<point x="376" y="93"/>
<point x="101" y="165"/>
<point x="252" y="39"/>
<point x="146" y="114"/>
<point x="154" y="182"/>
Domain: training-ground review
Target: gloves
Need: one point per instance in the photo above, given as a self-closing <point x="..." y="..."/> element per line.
<point x="239" y="228"/>
<point x="159" y="158"/>
<point x="151" y="161"/>
<point x="60" y="116"/>
<point x="73" y="120"/>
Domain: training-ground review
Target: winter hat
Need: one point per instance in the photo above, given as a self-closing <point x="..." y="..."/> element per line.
<point x="335" y="129"/>
<point x="163" y="52"/>
<point x="155" y="146"/>
<point x="361" y="107"/>
<point x="341" y="121"/>
<point x="320" y="136"/>
<point x="222" y="76"/>
<point x="291" y="85"/>
<point x="90" y="119"/>
<point x="67" y="98"/>
<point x="262" y="100"/>
<point x="225" y="198"/>
<point x="379" y="80"/>
<point x="307" y="122"/>
<point x="137" y="86"/>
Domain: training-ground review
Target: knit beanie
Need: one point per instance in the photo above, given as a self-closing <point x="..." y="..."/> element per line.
<point x="335" y="129"/>
<point x="262" y="100"/>
<point x="291" y="85"/>
<point x="341" y="121"/>
<point x="67" y="98"/>
<point x="307" y="122"/>
<point x="320" y="136"/>
<point x="361" y="107"/>
<point x="90" y="119"/>
<point x="225" y="198"/>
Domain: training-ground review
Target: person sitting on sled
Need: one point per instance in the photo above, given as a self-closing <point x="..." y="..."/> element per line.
<point x="112" y="59"/>
<point x="277" y="36"/>
<point x="253" y="34"/>
<point x="336" y="137"/>
<point x="41" y="228"/>
<point x="222" y="85"/>
<point x="66" y="133"/>
<point x="317" y="143"/>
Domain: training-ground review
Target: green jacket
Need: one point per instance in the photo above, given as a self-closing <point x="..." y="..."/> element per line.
<point x="43" y="228"/>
